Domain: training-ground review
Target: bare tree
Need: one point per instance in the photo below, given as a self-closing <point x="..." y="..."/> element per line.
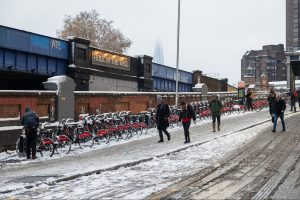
<point x="100" y="31"/>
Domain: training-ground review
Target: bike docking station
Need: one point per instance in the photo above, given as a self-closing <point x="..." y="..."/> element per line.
<point x="64" y="86"/>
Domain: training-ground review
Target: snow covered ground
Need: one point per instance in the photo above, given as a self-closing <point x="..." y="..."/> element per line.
<point x="129" y="182"/>
<point x="11" y="155"/>
<point x="139" y="181"/>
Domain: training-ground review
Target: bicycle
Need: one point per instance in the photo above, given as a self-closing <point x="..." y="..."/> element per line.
<point x="21" y="144"/>
<point x="44" y="144"/>
<point x="62" y="137"/>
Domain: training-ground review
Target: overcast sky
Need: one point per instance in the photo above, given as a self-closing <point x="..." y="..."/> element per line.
<point x="214" y="33"/>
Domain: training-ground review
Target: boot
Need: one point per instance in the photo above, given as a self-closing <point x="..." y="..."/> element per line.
<point x="218" y="127"/>
<point x="214" y="127"/>
<point x="169" y="136"/>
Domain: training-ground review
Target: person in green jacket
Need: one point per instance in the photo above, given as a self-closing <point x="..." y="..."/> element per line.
<point x="215" y="107"/>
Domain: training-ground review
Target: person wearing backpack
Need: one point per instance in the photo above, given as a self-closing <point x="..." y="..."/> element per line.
<point x="215" y="107"/>
<point x="30" y="121"/>
<point x="186" y="114"/>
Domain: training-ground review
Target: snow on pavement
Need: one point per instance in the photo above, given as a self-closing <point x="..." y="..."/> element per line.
<point x="12" y="156"/>
<point x="141" y="180"/>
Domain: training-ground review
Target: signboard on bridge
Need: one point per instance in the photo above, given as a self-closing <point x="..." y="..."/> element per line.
<point x="109" y="59"/>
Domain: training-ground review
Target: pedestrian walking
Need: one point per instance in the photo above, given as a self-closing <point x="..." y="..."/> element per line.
<point x="294" y="98"/>
<point x="186" y="115"/>
<point x="215" y="107"/>
<point x="30" y="121"/>
<point x="162" y="119"/>
<point x="271" y="100"/>
<point x="249" y="98"/>
<point x="298" y="96"/>
<point x="279" y="108"/>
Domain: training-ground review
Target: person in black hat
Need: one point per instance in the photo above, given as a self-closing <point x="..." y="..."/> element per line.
<point x="30" y="121"/>
<point x="162" y="119"/>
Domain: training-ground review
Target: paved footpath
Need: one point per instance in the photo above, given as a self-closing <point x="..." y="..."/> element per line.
<point x="268" y="167"/>
<point x="70" y="167"/>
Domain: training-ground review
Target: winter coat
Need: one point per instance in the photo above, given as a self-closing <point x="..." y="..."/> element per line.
<point x="279" y="106"/>
<point x="294" y="95"/>
<point x="298" y="93"/>
<point x="30" y="119"/>
<point x="215" y="107"/>
<point x="271" y="100"/>
<point x="162" y="116"/>
<point x="249" y="96"/>
<point x="187" y="115"/>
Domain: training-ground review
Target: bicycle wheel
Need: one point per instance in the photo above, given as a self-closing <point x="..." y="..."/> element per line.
<point x="86" y="142"/>
<point x="46" y="150"/>
<point x="63" y="146"/>
<point x="21" y="147"/>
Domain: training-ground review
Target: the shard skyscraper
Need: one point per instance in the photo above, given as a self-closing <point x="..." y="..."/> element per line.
<point x="158" y="54"/>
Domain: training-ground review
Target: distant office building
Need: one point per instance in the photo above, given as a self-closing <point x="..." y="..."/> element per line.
<point x="292" y="25"/>
<point x="158" y="54"/>
<point x="270" y="61"/>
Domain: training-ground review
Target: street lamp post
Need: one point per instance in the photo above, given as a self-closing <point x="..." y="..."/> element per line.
<point x="177" y="58"/>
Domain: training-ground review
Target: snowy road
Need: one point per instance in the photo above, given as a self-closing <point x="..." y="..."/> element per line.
<point x="158" y="169"/>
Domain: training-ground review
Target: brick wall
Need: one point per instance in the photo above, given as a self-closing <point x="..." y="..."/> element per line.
<point x="13" y="104"/>
<point x="214" y="85"/>
<point x="136" y="102"/>
<point x="87" y="103"/>
<point x="9" y="111"/>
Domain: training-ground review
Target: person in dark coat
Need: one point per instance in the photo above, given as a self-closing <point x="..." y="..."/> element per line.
<point x="271" y="100"/>
<point x="279" y="108"/>
<point x="294" y="97"/>
<point x="186" y="114"/>
<point x="30" y="121"/>
<point x="215" y="107"/>
<point x="162" y="119"/>
<point x="249" y="98"/>
<point x="298" y="96"/>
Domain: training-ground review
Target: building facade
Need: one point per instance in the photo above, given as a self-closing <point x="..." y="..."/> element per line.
<point x="292" y="25"/>
<point x="98" y="70"/>
<point x="164" y="79"/>
<point x="292" y="41"/>
<point x="271" y="61"/>
<point x="28" y="59"/>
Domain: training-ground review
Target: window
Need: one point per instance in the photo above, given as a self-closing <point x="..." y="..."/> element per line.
<point x="295" y="31"/>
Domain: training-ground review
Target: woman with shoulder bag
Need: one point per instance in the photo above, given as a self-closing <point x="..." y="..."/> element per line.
<point x="186" y="114"/>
